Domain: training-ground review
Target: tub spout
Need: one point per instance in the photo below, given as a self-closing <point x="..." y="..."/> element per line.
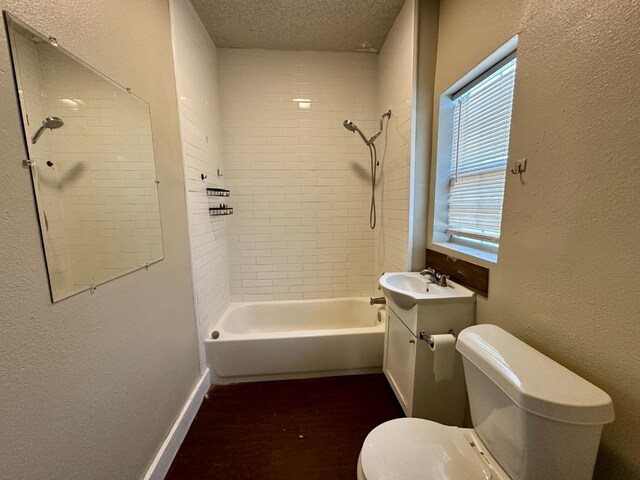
<point x="377" y="301"/>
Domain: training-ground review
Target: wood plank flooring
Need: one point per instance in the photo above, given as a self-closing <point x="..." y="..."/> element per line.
<point x="293" y="429"/>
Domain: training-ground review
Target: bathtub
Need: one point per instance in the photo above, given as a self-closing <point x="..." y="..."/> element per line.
<point x="296" y="339"/>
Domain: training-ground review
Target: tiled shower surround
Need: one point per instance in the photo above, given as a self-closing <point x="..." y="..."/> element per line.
<point x="395" y="90"/>
<point x="300" y="181"/>
<point x="196" y="82"/>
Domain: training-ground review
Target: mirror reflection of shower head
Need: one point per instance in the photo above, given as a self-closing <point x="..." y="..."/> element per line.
<point x="51" y="123"/>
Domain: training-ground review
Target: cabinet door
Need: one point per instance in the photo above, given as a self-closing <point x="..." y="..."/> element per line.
<point x="400" y="360"/>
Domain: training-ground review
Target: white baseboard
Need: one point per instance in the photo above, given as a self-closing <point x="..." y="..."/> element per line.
<point x="163" y="459"/>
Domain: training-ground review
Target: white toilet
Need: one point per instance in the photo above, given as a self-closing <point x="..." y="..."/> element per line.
<point x="532" y="419"/>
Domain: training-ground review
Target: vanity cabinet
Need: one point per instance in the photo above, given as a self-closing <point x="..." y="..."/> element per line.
<point x="400" y="359"/>
<point x="411" y="366"/>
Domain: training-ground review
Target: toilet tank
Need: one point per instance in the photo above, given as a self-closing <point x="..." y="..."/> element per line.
<point x="538" y="419"/>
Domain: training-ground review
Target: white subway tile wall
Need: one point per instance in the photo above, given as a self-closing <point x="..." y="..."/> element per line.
<point x="98" y="200"/>
<point x="395" y="91"/>
<point x="202" y="151"/>
<point x="299" y="180"/>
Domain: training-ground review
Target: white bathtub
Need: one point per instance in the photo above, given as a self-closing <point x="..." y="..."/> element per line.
<point x="296" y="339"/>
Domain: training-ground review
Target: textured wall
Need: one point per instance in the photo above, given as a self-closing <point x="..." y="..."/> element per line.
<point x="566" y="280"/>
<point x="91" y="385"/>
<point x="395" y="91"/>
<point x="299" y="180"/>
<point x="197" y="83"/>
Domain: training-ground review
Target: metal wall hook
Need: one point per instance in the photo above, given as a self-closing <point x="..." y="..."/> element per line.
<point x="520" y="168"/>
<point x="202" y="176"/>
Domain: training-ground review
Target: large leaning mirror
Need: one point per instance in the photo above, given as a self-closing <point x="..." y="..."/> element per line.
<point x="90" y="153"/>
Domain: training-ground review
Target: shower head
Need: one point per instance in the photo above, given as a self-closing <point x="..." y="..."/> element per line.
<point x="352" y="127"/>
<point x="51" y="123"/>
<point x="349" y="125"/>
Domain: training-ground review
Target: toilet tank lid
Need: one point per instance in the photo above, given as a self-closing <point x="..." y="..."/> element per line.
<point x="532" y="380"/>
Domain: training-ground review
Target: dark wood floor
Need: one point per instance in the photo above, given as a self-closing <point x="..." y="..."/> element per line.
<point x="293" y="429"/>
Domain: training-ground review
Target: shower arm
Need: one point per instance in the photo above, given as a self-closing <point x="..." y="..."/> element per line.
<point x="373" y="139"/>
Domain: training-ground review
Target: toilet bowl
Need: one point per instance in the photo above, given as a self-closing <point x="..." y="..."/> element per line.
<point x="533" y="419"/>
<point x="417" y="449"/>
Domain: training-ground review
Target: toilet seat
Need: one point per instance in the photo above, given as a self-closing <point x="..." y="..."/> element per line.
<point x="417" y="449"/>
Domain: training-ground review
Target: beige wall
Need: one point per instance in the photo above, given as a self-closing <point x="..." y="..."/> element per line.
<point x="91" y="385"/>
<point x="567" y="277"/>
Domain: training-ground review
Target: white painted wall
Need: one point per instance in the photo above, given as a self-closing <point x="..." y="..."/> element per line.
<point x="196" y="73"/>
<point x="566" y="281"/>
<point x="299" y="180"/>
<point x="92" y="385"/>
<point x="395" y="91"/>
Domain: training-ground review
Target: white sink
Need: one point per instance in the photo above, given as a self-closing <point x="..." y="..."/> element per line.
<point x="407" y="289"/>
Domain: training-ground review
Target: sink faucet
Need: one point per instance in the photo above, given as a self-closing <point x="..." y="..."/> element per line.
<point x="432" y="276"/>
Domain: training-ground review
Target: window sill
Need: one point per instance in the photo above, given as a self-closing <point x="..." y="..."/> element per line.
<point x="472" y="253"/>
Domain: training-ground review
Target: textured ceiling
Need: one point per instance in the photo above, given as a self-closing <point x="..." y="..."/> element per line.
<point x="330" y="25"/>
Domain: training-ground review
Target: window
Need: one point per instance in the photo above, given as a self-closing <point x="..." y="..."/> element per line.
<point x="473" y="147"/>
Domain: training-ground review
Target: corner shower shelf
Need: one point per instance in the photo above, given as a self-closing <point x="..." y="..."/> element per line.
<point x="216" y="211"/>
<point x="218" y="192"/>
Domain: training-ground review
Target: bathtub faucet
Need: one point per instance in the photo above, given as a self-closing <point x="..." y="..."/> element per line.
<point x="377" y="301"/>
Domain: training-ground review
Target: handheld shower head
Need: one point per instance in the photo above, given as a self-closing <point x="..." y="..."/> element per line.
<point x="51" y="123"/>
<point x="352" y="127"/>
<point x="349" y="125"/>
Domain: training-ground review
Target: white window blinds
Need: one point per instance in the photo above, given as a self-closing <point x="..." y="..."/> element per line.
<point x="480" y="144"/>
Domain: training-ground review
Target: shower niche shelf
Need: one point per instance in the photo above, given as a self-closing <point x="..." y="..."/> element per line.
<point x="218" y="192"/>
<point x="218" y="211"/>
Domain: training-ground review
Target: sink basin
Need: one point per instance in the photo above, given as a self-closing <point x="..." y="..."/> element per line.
<point x="407" y="289"/>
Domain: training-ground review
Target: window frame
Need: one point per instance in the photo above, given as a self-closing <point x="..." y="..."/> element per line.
<point x="474" y="251"/>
